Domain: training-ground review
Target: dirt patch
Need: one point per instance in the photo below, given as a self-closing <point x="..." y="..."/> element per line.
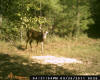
<point x="55" y="60"/>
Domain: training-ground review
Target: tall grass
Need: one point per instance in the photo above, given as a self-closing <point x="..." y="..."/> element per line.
<point x="83" y="48"/>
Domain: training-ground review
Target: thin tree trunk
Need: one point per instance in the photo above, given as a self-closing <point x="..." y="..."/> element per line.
<point x="40" y="8"/>
<point x="21" y="35"/>
<point x="77" y="20"/>
<point x="0" y="20"/>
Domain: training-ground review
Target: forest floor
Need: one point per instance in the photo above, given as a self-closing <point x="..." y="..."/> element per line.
<point x="61" y="57"/>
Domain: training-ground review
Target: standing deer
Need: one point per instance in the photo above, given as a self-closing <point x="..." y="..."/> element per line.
<point x="35" y="35"/>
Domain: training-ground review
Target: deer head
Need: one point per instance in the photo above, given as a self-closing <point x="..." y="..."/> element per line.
<point x="45" y="34"/>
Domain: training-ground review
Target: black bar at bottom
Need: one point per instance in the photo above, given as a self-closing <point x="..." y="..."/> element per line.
<point x="64" y="77"/>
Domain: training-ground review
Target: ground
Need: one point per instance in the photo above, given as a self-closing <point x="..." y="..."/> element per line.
<point x="85" y="52"/>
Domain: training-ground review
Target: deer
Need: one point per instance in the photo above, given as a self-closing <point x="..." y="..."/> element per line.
<point x="37" y="36"/>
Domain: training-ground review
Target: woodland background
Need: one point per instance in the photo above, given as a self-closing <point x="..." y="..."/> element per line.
<point x="74" y="32"/>
<point x="61" y="17"/>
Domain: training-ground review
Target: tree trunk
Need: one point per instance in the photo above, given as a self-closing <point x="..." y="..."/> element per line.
<point x="21" y="35"/>
<point x="0" y="20"/>
<point x="77" y="32"/>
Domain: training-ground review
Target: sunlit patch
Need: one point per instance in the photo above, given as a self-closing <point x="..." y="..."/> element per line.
<point x="55" y="60"/>
<point x="25" y="63"/>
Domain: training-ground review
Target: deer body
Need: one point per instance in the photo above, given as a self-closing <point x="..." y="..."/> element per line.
<point x="35" y="35"/>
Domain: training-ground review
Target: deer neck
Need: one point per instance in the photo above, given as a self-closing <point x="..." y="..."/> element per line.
<point x="45" y="35"/>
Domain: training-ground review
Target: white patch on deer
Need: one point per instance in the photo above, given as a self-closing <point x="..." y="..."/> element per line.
<point x="45" y="34"/>
<point x="55" y="60"/>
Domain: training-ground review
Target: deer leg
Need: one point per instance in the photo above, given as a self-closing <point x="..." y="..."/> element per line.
<point x="30" y="44"/>
<point x="36" y="46"/>
<point x="42" y="47"/>
<point x="27" y="43"/>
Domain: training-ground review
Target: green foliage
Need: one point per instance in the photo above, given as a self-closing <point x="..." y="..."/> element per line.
<point x="62" y="17"/>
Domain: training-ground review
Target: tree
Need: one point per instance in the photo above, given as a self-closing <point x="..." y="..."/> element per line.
<point x="67" y="17"/>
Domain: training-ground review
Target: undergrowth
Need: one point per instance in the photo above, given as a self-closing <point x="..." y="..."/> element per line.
<point x="83" y="48"/>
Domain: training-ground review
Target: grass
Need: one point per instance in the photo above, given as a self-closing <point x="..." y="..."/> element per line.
<point x="16" y="59"/>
